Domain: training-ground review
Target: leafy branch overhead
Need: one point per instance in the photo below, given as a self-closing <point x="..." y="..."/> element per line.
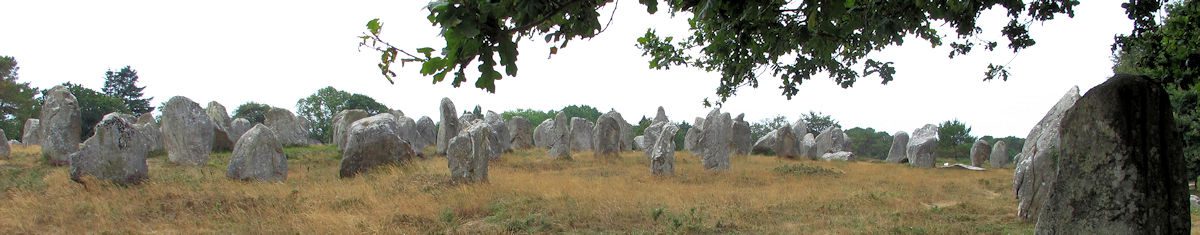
<point x="792" y="40"/>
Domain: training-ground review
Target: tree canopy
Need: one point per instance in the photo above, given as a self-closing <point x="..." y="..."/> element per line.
<point x="743" y="41"/>
<point x="123" y="85"/>
<point x="954" y="140"/>
<point x="253" y="112"/>
<point x="17" y="101"/>
<point x="818" y="122"/>
<point x="93" y="105"/>
<point x="320" y="107"/>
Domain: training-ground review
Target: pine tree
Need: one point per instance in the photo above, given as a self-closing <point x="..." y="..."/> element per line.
<point x="123" y="84"/>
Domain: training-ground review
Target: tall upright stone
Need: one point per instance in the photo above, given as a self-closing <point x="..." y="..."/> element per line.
<point x="692" y="137"/>
<point x="662" y="156"/>
<point x="650" y="137"/>
<point x="715" y="141"/>
<point x="187" y="132"/>
<point x="407" y="129"/>
<point x="222" y="140"/>
<point x="922" y="145"/>
<point x="1120" y="165"/>
<point x="522" y="133"/>
<point x="740" y="131"/>
<point x="469" y="152"/>
<point x="766" y="143"/>
<point x="5" y="148"/>
<point x="581" y="134"/>
<point x="373" y="142"/>
<point x="427" y="130"/>
<point x="113" y="153"/>
<point x="606" y="137"/>
<point x="808" y="145"/>
<point x="239" y="127"/>
<point x="660" y="116"/>
<point x="999" y="157"/>
<point x="1035" y="164"/>
<point x="31" y="134"/>
<point x="500" y="129"/>
<point x="149" y="132"/>
<point x="787" y="144"/>
<point x="831" y="140"/>
<point x="898" y="152"/>
<point x="979" y="152"/>
<point x="543" y="134"/>
<point x="341" y="124"/>
<point x="560" y="137"/>
<point x="800" y="127"/>
<point x="449" y="125"/>
<point x="289" y="128"/>
<point x="258" y="156"/>
<point x="60" y="125"/>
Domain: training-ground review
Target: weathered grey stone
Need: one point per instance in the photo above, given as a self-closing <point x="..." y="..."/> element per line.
<point x="150" y="135"/>
<point x="466" y="120"/>
<point x="808" y="145"/>
<point x="543" y="134"/>
<point x="522" y="133"/>
<point x="831" y="140"/>
<point x="639" y="142"/>
<point x="222" y="140"/>
<point x="560" y="138"/>
<point x="187" y="132"/>
<point x="146" y="118"/>
<point x="979" y="152"/>
<point x="258" y="156"/>
<point x="766" y="143"/>
<point x="373" y="141"/>
<point x="500" y="128"/>
<point x="341" y="124"/>
<point x="581" y="134"/>
<point x="692" y="137"/>
<point x="625" y="130"/>
<point x="407" y="129"/>
<point x="113" y="153"/>
<point x="800" y="128"/>
<point x="740" y="131"/>
<point x="846" y="141"/>
<point x="606" y="137"/>
<point x="838" y="156"/>
<point x="469" y="152"/>
<point x="650" y="135"/>
<point x="129" y="118"/>
<point x="660" y="116"/>
<point x="1034" y="165"/>
<point x="428" y="132"/>
<point x="1120" y="164"/>
<point x="5" y="146"/>
<point x="31" y="134"/>
<point x="449" y="125"/>
<point x="787" y="144"/>
<point x="999" y="157"/>
<point x="898" y="153"/>
<point x="662" y="157"/>
<point x="239" y="127"/>
<point x="715" y="141"/>
<point x="60" y="125"/>
<point x="287" y="127"/>
<point x="922" y="145"/>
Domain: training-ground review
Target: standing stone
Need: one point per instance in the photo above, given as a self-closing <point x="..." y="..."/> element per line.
<point x="60" y="126"/>
<point x="999" y="157"/>
<point x="922" y="145"/>
<point x="373" y="141"/>
<point x="258" y="156"/>
<point x="221" y="124"/>
<point x="543" y="134"/>
<point x="469" y="152"/>
<point x="639" y="142"/>
<point x="800" y="127"/>
<point x="113" y="153"/>
<point x="288" y="128"/>
<point x="838" y="156"/>
<point x="428" y="132"/>
<point x="979" y="152"/>
<point x="715" y="141"/>
<point x="581" y="134"/>
<point x="808" y="145"/>
<point x="625" y="135"/>
<point x="407" y="129"/>
<point x="239" y="127"/>
<point x="145" y="118"/>
<point x="898" y="154"/>
<point x="831" y="140"/>
<point x="31" y="134"/>
<point x="742" y="142"/>
<point x="341" y="124"/>
<point x="500" y="128"/>
<point x="650" y="135"/>
<point x="662" y="157"/>
<point x="5" y="148"/>
<point x="449" y="125"/>
<point x="560" y="138"/>
<point x="1120" y="165"/>
<point x="607" y="138"/>
<point x="1035" y="164"/>
<point x="149" y="133"/>
<point x="767" y="143"/>
<point x="692" y="137"/>
<point x="787" y="144"/>
<point x="522" y="134"/>
<point x="187" y="132"/>
<point x="661" y="115"/>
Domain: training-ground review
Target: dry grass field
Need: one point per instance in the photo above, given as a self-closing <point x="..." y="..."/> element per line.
<point x="526" y="194"/>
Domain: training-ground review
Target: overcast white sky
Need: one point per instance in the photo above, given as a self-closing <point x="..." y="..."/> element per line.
<point x="277" y="52"/>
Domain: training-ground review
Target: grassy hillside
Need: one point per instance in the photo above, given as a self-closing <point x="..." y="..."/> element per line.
<point x="527" y="193"/>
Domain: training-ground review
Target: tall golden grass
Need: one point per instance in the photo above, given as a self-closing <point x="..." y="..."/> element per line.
<point x="527" y="193"/>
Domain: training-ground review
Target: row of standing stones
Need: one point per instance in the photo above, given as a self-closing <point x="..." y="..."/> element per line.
<point x="1109" y="161"/>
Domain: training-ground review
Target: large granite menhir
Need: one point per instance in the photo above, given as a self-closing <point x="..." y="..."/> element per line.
<point x="258" y="156"/>
<point x="114" y="153"/>
<point x="187" y="132"/>
<point x="1035" y="168"/>
<point x="60" y="126"/>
